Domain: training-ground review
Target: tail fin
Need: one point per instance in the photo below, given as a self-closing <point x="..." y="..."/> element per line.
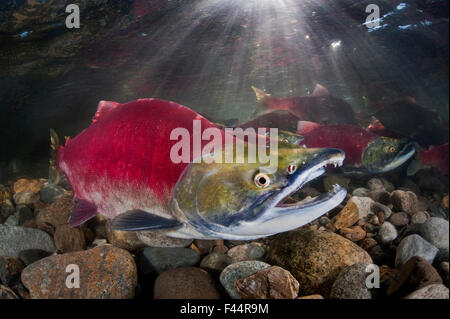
<point x="53" y="174"/>
<point x="261" y="96"/>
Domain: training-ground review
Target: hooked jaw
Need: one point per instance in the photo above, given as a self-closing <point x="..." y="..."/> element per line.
<point x="404" y="155"/>
<point x="277" y="217"/>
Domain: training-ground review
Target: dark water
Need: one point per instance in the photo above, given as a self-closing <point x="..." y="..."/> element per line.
<point x="206" y="55"/>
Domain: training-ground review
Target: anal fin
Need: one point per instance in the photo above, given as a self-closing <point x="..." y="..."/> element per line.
<point x="82" y="212"/>
<point x="139" y="220"/>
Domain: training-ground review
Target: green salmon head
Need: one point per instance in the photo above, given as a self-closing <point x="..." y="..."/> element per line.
<point x="385" y="154"/>
<point x="244" y="200"/>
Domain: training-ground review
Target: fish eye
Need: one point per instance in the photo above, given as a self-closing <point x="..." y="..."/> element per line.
<point x="262" y="180"/>
<point x="392" y="149"/>
<point x="291" y="169"/>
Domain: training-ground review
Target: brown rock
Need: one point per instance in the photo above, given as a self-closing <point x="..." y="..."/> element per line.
<point x="399" y="219"/>
<point x="10" y="269"/>
<point x="6" y="293"/>
<point x="25" y="198"/>
<point x="250" y="251"/>
<point x="405" y="201"/>
<point x="56" y="214"/>
<point x="413" y="275"/>
<point x="123" y="239"/>
<point x="380" y="196"/>
<point x="5" y="195"/>
<point x="444" y="202"/>
<point x="205" y="246"/>
<point x="387" y="275"/>
<point x="420" y="217"/>
<point x="368" y="243"/>
<point x="185" y="283"/>
<point x="311" y="297"/>
<point x="355" y="233"/>
<point x="270" y="283"/>
<point x="444" y="271"/>
<point x="106" y="272"/>
<point x="315" y="258"/>
<point x="347" y="217"/>
<point x="220" y="249"/>
<point x="68" y="239"/>
<point x="24" y="184"/>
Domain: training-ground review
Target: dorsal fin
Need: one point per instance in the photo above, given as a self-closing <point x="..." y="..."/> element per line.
<point x="304" y="127"/>
<point x="320" y="90"/>
<point x="261" y="96"/>
<point x="103" y="108"/>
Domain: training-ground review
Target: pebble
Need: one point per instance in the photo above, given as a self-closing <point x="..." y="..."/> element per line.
<point x="364" y="205"/>
<point x="123" y="239"/>
<point x="361" y="192"/>
<point x="10" y="269"/>
<point x="11" y="221"/>
<point x="237" y="271"/>
<point x="405" y="201"/>
<point x="68" y="239"/>
<point x="25" y="198"/>
<point x="23" y="214"/>
<point x="375" y="184"/>
<point x="414" y="245"/>
<point x="7" y="293"/>
<point x="436" y="232"/>
<point x="205" y="246"/>
<point x="380" y="208"/>
<point x="48" y="192"/>
<point x="24" y="184"/>
<point x="414" y="274"/>
<point x="55" y="214"/>
<point x="14" y="239"/>
<point x="270" y="283"/>
<point x="420" y="217"/>
<point x="215" y="262"/>
<point x="399" y="219"/>
<point x="157" y="259"/>
<point x="351" y="283"/>
<point x="380" y="196"/>
<point x="355" y="233"/>
<point x="155" y="239"/>
<point x="185" y="283"/>
<point x="368" y="243"/>
<point x="251" y="251"/>
<point x="435" y="291"/>
<point x="324" y="220"/>
<point x="106" y="272"/>
<point x="347" y="217"/>
<point x="444" y="202"/>
<point x="6" y="210"/>
<point x="314" y="258"/>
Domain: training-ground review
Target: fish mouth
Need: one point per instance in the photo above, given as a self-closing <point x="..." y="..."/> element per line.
<point x="403" y="156"/>
<point x="279" y="217"/>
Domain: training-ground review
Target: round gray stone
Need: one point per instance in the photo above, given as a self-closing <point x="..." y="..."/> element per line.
<point x="434" y="291"/>
<point x="414" y="245"/>
<point x="237" y="271"/>
<point x="351" y="283"/>
<point x="14" y="239"/>
<point x="436" y="232"/>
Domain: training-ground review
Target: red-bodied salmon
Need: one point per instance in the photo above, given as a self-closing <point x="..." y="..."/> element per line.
<point x="321" y="107"/>
<point x="122" y="167"/>
<point x="435" y="157"/>
<point x="365" y="152"/>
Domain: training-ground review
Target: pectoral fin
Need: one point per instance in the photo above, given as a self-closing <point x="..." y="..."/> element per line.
<point x="82" y="212"/>
<point x="139" y="220"/>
